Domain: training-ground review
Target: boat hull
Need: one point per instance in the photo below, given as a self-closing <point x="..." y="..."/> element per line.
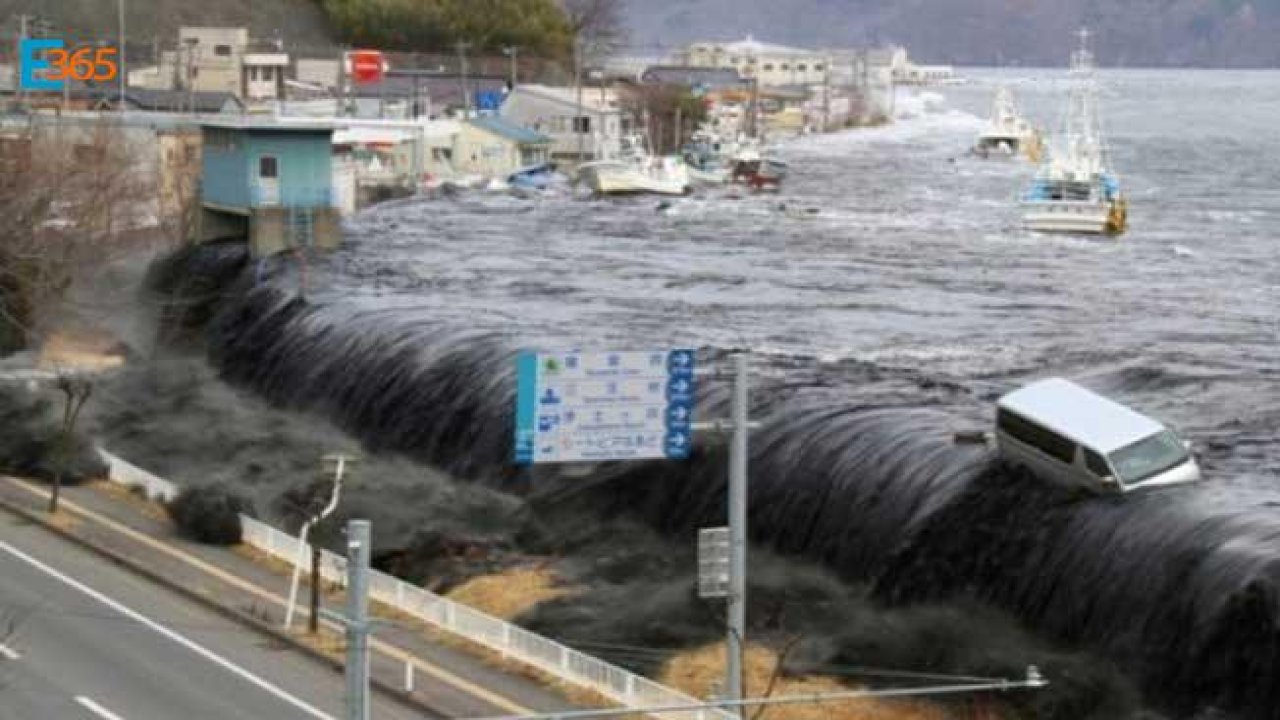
<point x="623" y="179"/>
<point x="1078" y="218"/>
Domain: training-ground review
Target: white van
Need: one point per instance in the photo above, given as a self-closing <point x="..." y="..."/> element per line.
<point x="1066" y="433"/>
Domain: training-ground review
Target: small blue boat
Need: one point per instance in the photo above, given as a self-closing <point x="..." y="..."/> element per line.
<point x="533" y="177"/>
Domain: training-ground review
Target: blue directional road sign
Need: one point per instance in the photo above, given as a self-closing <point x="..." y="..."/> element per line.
<point x="588" y="407"/>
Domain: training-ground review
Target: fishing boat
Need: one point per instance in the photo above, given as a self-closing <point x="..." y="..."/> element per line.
<point x="704" y="155"/>
<point x="1008" y="134"/>
<point x="758" y="171"/>
<point x="1075" y="190"/>
<point x="635" y="172"/>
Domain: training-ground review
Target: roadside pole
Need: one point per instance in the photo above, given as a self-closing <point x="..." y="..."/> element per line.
<point x="340" y="464"/>
<point x="722" y="552"/>
<point x="737" y="615"/>
<point x="357" y="620"/>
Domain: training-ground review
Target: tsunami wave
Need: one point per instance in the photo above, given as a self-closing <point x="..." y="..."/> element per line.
<point x="1179" y="587"/>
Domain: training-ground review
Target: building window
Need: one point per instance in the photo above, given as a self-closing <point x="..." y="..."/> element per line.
<point x="785" y="67"/>
<point x="802" y="67"/>
<point x="768" y="67"/>
<point x="253" y="74"/>
<point x="818" y="67"/>
<point x="734" y="60"/>
<point x="268" y="167"/>
<point x="582" y="124"/>
<point x="223" y="50"/>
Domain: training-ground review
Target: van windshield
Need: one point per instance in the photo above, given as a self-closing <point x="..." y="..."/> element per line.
<point x="1148" y="457"/>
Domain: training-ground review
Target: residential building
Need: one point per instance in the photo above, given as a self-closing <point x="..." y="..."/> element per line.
<point x="495" y="147"/>
<point x="264" y="75"/>
<point x="769" y="64"/>
<point x="222" y="60"/>
<point x="268" y="182"/>
<point x="211" y="59"/>
<point x="698" y="79"/>
<point x="578" y="132"/>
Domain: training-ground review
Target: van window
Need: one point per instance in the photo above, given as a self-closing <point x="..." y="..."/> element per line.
<point x="1095" y="463"/>
<point x="1148" y="457"/>
<point x="1036" y="436"/>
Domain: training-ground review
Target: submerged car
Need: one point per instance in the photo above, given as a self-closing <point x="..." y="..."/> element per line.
<point x="1069" y="434"/>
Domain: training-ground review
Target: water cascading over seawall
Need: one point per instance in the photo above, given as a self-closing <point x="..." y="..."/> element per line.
<point x="1178" y="587"/>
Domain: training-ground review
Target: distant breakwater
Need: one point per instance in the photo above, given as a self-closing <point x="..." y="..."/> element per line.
<point x="1178" y="590"/>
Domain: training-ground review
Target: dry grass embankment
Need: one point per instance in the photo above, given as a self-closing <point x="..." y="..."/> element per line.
<point x="510" y="593"/>
<point x="700" y="672"/>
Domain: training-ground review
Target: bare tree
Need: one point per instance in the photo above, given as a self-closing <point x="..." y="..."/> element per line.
<point x="70" y="196"/>
<point x="76" y="390"/>
<point x="598" y="24"/>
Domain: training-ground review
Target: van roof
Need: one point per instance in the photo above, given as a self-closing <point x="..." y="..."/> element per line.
<point x="1080" y="414"/>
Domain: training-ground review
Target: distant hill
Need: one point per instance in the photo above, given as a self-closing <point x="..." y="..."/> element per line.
<point x="1208" y="33"/>
<point x="301" y="22"/>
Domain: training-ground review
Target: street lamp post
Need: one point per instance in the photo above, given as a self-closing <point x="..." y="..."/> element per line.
<point x="123" y="68"/>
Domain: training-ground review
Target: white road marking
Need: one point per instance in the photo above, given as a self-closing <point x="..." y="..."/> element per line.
<point x="157" y="627"/>
<point x="8" y="653"/>
<point x="97" y="709"/>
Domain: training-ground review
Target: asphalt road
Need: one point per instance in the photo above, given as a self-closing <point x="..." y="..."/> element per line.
<point x="83" y="639"/>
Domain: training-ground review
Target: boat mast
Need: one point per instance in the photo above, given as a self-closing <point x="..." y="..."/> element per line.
<point x="1082" y="132"/>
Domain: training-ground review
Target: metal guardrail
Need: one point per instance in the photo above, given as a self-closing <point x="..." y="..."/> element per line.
<point x="508" y="639"/>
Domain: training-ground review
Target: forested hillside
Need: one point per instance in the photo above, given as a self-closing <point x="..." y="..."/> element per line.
<point x="301" y="23"/>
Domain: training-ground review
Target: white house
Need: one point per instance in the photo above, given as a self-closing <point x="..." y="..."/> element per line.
<point x="771" y="65"/>
<point x="577" y="133"/>
<point x="494" y="147"/>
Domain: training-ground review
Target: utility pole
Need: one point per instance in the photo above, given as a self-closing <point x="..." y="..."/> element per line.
<point x="513" y="53"/>
<point x="462" y="77"/>
<point x="191" y="83"/>
<point x="826" y="95"/>
<point x="579" y="123"/>
<point x="122" y="69"/>
<point x="737" y="615"/>
<point x="17" y="54"/>
<point x="357" y="621"/>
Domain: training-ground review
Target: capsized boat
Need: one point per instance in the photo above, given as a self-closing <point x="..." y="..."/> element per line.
<point x="1075" y="190"/>
<point x="636" y="172"/>
<point x="533" y="177"/>
<point x="1008" y="134"/>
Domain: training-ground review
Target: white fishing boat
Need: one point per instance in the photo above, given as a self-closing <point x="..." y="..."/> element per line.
<point x="1008" y="134"/>
<point x="636" y="172"/>
<point x="1076" y="191"/>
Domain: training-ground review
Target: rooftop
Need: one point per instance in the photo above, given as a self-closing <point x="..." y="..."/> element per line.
<point x="591" y="97"/>
<point x="1081" y="414"/>
<point x="751" y="46"/>
<point x="511" y="131"/>
<point x="272" y="124"/>
<point x="713" y="78"/>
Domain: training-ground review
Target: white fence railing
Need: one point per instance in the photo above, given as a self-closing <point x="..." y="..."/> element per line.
<point x="131" y="475"/>
<point x="511" y="641"/>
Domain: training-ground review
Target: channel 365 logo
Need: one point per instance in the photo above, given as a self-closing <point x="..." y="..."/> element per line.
<point x="47" y="64"/>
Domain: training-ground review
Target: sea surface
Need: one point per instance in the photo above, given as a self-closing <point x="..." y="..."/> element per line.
<point x="890" y="247"/>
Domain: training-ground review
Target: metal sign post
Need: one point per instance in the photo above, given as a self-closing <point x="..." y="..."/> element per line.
<point x="737" y="615"/>
<point x="735" y="538"/>
<point x="357" y="622"/>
